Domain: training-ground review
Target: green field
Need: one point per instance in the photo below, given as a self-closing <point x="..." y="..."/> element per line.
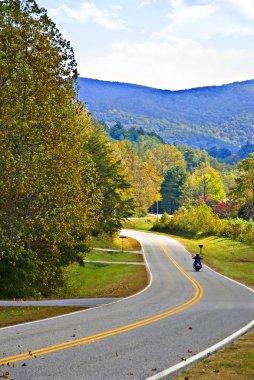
<point x="103" y="280"/>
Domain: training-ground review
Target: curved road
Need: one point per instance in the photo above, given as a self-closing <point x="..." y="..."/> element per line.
<point x="180" y="313"/>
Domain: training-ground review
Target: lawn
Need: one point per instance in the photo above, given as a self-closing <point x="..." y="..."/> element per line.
<point x="231" y="258"/>
<point x="103" y="280"/>
<point x="98" y="255"/>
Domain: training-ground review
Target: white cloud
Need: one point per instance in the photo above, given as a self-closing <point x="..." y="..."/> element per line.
<point x="209" y="20"/>
<point x="146" y="3"/>
<point x="88" y="11"/>
<point x="246" y="6"/>
<point x="171" y="65"/>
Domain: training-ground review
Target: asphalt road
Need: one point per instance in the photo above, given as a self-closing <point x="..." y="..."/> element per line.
<point x="181" y="313"/>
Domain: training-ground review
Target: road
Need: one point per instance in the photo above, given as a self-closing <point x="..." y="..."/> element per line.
<point x="181" y="313"/>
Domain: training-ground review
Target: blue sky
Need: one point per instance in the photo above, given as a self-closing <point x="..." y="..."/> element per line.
<point x="167" y="44"/>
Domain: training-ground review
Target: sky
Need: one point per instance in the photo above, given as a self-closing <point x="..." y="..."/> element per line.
<point x="166" y="44"/>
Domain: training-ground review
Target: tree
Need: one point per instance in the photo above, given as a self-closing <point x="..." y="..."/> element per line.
<point x="193" y="157"/>
<point x="143" y="177"/>
<point x="163" y="157"/>
<point x="171" y="189"/>
<point x="47" y="201"/>
<point x="242" y="193"/>
<point x="204" y="184"/>
<point x="110" y="182"/>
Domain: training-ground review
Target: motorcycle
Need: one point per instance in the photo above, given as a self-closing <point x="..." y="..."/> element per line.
<point x="197" y="265"/>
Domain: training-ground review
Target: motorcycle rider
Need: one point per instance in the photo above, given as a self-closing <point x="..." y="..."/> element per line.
<point x="197" y="258"/>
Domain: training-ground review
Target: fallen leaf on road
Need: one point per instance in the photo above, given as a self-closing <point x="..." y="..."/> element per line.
<point x="5" y="375"/>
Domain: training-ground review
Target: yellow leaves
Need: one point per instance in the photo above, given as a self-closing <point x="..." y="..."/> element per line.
<point x="165" y="156"/>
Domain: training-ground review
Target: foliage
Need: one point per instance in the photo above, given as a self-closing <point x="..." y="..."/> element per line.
<point x="110" y="183"/>
<point x="201" y="220"/>
<point x="50" y="194"/>
<point x="243" y="191"/>
<point x="172" y="189"/>
<point x="118" y="132"/>
<point x="163" y="157"/>
<point x="143" y="177"/>
<point x="204" y="184"/>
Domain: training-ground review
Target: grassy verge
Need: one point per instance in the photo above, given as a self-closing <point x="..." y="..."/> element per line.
<point x="129" y="244"/>
<point x="236" y="362"/>
<point x="231" y="258"/>
<point x="98" y="255"/>
<point x="103" y="280"/>
<point x="144" y="224"/>
<point x="14" y="315"/>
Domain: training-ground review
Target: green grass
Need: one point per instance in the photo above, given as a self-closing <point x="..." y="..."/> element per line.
<point x="129" y="244"/>
<point x="98" y="255"/>
<point x="231" y="258"/>
<point x="144" y="224"/>
<point x="103" y="280"/>
<point x="14" y="315"/>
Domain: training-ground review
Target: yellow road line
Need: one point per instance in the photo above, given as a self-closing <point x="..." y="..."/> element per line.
<point x="94" y="338"/>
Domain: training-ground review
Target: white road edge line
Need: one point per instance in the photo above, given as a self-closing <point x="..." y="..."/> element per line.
<point x="182" y="366"/>
<point x="91" y="308"/>
<point x="177" y="368"/>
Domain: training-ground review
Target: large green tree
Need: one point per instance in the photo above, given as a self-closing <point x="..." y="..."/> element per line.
<point x="47" y="200"/>
<point x="110" y="182"/>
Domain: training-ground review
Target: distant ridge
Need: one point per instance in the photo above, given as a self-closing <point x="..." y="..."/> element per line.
<point x="201" y="117"/>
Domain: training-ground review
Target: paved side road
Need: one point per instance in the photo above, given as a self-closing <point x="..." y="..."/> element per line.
<point x="82" y="302"/>
<point x="181" y="313"/>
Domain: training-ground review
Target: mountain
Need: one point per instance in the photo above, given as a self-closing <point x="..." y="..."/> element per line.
<point x="220" y="116"/>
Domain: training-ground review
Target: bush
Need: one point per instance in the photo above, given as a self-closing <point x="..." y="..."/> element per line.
<point x="201" y="220"/>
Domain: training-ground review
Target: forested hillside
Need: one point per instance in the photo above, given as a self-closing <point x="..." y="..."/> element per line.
<point x="205" y="117"/>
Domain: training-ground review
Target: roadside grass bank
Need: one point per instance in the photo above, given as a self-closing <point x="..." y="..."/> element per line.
<point x="144" y="224"/>
<point x="231" y="258"/>
<point x="235" y="362"/>
<point x="99" y="255"/>
<point x="15" y="315"/>
<point x="103" y="280"/>
<point x="129" y="244"/>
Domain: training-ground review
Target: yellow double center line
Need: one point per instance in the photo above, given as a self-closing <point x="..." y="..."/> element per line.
<point x="94" y="338"/>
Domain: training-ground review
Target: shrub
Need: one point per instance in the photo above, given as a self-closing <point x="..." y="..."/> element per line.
<point x="201" y="220"/>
